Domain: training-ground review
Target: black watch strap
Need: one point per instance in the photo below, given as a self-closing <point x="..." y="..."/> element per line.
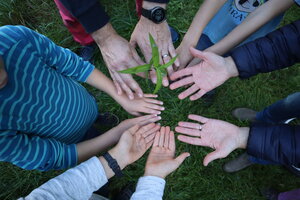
<point x="113" y="164"/>
<point x="146" y="13"/>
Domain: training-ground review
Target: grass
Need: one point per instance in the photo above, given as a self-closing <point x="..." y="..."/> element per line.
<point x="192" y="180"/>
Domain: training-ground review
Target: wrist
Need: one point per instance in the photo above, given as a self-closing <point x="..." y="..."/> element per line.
<point x="149" y="5"/>
<point x="231" y="67"/>
<point x="243" y="137"/>
<point x="118" y="156"/>
<point x="154" y="174"/>
<point x="103" y="34"/>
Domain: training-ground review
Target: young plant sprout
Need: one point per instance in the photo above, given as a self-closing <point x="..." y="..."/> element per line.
<point x="154" y="63"/>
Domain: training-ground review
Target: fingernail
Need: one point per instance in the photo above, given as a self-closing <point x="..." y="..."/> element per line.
<point x="158" y="124"/>
<point x="161" y="103"/>
<point x="130" y="97"/>
<point x="159" y="117"/>
<point x="165" y="82"/>
<point x="162" y="108"/>
<point x="140" y="95"/>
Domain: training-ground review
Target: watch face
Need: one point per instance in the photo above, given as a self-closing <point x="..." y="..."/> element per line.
<point x="158" y="15"/>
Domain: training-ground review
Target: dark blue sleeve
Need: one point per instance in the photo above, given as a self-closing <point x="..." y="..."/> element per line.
<point x="279" y="49"/>
<point x="89" y="13"/>
<point x="277" y="143"/>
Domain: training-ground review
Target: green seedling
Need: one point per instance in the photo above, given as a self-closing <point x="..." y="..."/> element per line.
<point x="161" y="70"/>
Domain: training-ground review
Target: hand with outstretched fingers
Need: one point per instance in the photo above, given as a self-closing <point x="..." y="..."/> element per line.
<point x="146" y="104"/>
<point x="162" y="37"/>
<point x="219" y="135"/>
<point x="134" y="143"/>
<point x="210" y="73"/>
<point x="161" y="160"/>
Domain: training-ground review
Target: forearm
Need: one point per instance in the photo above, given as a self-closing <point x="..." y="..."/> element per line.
<point x="205" y="13"/>
<point x="251" y="24"/>
<point x="93" y="147"/>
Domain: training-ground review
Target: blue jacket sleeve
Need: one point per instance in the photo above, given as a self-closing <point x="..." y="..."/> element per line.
<point x="277" y="143"/>
<point x="277" y="50"/>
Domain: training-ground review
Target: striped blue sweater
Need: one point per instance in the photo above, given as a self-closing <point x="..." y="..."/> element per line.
<point x="44" y="111"/>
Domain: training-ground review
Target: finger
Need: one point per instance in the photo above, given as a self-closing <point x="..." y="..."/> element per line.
<point x="153" y="76"/>
<point x="124" y="86"/>
<point x="172" y="144"/>
<point x="132" y="84"/>
<point x="153" y="101"/>
<point x="117" y="85"/>
<point x="162" y="136"/>
<point x="182" y="157"/>
<point x="188" y="91"/>
<point x="136" y="57"/>
<point x="182" y="82"/>
<point x="151" y="131"/>
<point x="197" y="95"/>
<point x="165" y="81"/>
<point x="146" y="128"/>
<point x="136" y="114"/>
<point x="156" y="139"/>
<point x="150" y="95"/>
<point x="166" y="59"/>
<point x="198" y="118"/>
<point x="194" y="62"/>
<point x="133" y="129"/>
<point x="150" y="111"/>
<point x="190" y="140"/>
<point x="181" y="73"/>
<point x="190" y="125"/>
<point x="151" y="120"/>
<point x="155" y="107"/>
<point x="167" y="137"/>
<point x="188" y="131"/>
<point x="173" y="53"/>
<point x="150" y="138"/>
<point x="149" y="144"/>
<point x="197" y="53"/>
<point x="212" y="156"/>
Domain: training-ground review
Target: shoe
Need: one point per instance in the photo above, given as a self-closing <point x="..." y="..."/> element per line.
<point x="294" y="170"/>
<point x="107" y="119"/>
<point x="244" y="114"/>
<point x="174" y="34"/>
<point x="270" y="193"/>
<point x="87" y="52"/>
<point x="241" y="162"/>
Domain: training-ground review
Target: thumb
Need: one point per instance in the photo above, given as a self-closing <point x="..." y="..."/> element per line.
<point x="181" y="158"/>
<point x="197" y="53"/>
<point x="211" y="157"/>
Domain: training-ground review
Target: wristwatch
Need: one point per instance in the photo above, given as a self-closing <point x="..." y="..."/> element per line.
<point x="156" y="14"/>
<point x="113" y="164"/>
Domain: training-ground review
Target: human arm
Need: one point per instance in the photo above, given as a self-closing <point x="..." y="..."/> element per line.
<point x="138" y="105"/>
<point x="277" y="50"/>
<point x="206" y="12"/>
<point x="81" y="181"/>
<point x="161" y="35"/>
<point x="160" y="163"/>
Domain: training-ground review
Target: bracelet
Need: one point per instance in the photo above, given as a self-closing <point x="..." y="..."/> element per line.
<point x="113" y="164"/>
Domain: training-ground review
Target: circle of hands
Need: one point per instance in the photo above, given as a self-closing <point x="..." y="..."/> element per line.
<point x="198" y="78"/>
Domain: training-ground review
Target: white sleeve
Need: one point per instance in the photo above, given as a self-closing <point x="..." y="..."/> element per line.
<point x="149" y="188"/>
<point x="76" y="183"/>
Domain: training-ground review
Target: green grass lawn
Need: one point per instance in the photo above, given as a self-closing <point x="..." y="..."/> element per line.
<point x="192" y="180"/>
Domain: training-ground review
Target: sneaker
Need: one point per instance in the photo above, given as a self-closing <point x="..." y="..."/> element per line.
<point x="87" y="52"/>
<point x="294" y="170"/>
<point x="241" y="162"/>
<point x="270" y="193"/>
<point x="244" y="114"/>
<point x="174" y="34"/>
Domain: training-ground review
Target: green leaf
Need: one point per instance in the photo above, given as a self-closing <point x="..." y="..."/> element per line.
<point x="158" y="81"/>
<point x="171" y="62"/>
<point x="137" y="69"/>
<point x="147" y="72"/>
<point x="155" y="54"/>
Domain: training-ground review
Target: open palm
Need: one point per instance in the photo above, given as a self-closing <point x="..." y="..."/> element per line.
<point x="219" y="135"/>
<point x="161" y="160"/>
<point x="210" y="73"/>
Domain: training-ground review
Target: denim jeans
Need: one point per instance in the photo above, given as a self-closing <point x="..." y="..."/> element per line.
<point x="278" y="113"/>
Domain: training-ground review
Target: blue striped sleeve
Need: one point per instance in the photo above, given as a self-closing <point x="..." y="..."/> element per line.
<point x="63" y="60"/>
<point x="34" y="152"/>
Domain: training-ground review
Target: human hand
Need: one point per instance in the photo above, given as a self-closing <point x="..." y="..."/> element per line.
<point x="210" y="73"/>
<point x="219" y="135"/>
<point x="184" y="55"/>
<point x="118" y="55"/>
<point x="134" y="143"/>
<point x="162" y="37"/>
<point x="140" y="121"/>
<point x="146" y="104"/>
<point x="161" y="160"/>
